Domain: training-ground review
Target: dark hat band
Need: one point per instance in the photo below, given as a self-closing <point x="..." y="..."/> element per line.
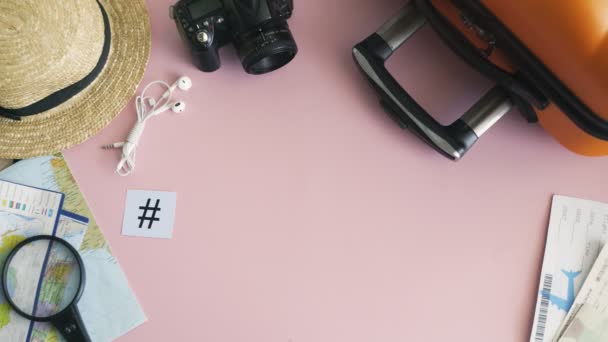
<point x="59" y="97"/>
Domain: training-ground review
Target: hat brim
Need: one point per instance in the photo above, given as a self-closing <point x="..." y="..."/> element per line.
<point x="91" y="110"/>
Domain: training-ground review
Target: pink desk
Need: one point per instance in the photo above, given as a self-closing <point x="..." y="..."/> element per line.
<point x="305" y="215"/>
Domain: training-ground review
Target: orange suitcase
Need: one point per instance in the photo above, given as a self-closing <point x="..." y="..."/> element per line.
<point x="548" y="58"/>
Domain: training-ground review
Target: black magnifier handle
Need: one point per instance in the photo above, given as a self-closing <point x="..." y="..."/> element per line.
<point x="71" y="326"/>
<point x="68" y="321"/>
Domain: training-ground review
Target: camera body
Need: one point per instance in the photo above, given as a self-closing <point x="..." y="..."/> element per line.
<point x="257" y="28"/>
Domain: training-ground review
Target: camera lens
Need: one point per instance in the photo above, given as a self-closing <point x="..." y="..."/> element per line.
<point x="266" y="48"/>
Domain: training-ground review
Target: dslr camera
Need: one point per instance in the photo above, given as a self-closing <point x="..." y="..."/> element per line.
<point x="257" y="28"/>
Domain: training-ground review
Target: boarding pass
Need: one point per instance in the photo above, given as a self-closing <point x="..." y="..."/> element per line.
<point x="587" y="320"/>
<point x="578" y="229"/>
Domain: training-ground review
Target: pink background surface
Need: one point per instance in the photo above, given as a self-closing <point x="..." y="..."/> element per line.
<point x="306" y="215"/>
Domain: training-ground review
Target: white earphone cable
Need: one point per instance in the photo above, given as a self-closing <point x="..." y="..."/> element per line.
<point x="126" y="166"/>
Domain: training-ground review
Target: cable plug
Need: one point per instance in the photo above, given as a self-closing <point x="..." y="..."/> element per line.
<point x="113" y="146"/>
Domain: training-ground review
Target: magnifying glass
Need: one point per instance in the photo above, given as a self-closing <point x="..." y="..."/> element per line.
<point x="42" y="279"/>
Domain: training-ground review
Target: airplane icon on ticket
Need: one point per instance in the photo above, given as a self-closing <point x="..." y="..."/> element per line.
<point x="561" y="303"/>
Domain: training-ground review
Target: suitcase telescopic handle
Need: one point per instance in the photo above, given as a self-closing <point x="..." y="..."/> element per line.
<point x="453" y="140"/>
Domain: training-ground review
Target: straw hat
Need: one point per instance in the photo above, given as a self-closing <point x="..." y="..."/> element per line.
<point x="67" y="68"/>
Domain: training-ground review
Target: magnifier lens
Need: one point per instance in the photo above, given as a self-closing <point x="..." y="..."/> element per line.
<point x="43" y="278"/>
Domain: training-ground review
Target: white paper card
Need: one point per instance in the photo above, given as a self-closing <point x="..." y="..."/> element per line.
<point x="149" y="214"/>
<point x="587" y="320"/>
<point x="578" y="229"/>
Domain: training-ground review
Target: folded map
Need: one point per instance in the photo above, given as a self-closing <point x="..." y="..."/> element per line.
<point x="108" y="306"/>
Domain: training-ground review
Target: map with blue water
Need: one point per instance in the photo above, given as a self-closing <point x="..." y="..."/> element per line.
<point x="108" y="306"/>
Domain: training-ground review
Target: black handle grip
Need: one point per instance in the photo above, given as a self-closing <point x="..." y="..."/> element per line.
<point x="453" y="140"/>
<point x="207" y="59"/>
<point x="71" y="326"/>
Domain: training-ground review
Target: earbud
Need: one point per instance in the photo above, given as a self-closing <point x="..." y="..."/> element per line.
<point x="178" y="107"/>
<point x="183" y="83"/>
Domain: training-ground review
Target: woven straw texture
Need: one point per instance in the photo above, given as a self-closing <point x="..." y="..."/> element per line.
<point x="46" y="46"/>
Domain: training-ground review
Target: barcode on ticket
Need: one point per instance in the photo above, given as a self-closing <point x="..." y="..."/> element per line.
<point x="544" y="308"/>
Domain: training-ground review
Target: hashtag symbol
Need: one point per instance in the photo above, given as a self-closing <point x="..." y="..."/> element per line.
<point x="144" y="217"/>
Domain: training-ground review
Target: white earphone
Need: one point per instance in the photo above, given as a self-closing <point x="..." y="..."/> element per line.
<point x="184" y="83"/>
<point x="178" y="107"/>
<point x="148" y="107"/>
